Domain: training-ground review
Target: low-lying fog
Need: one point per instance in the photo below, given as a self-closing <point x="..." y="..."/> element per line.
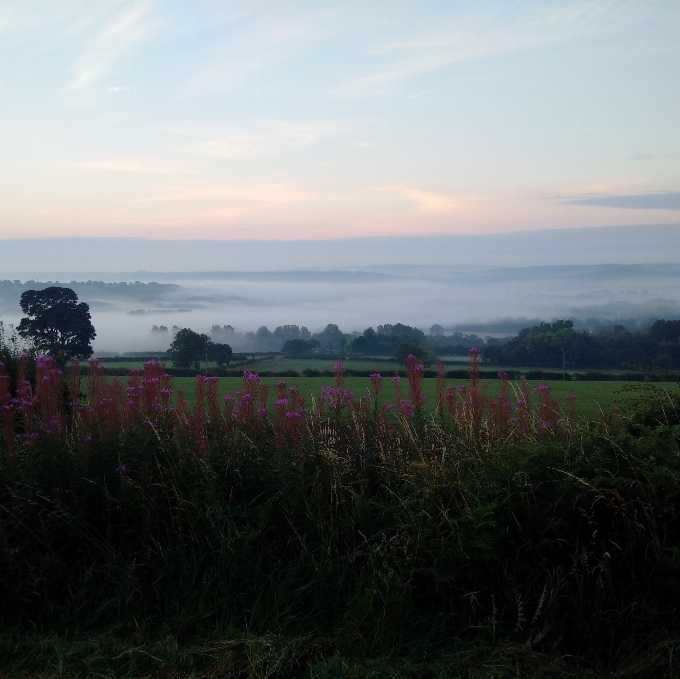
<point x="471" y="298"/>
<point x="469" y="283"/>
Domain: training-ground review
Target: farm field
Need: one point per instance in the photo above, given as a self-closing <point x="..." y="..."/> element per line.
<point x="593" y="398"/>
<point x="282" y="364"/>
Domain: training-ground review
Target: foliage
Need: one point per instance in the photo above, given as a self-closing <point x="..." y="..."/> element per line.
<point x="405" y="348"/>
<point x="220" y="353"/>
<point x="292" y="332"/>
<point x="298" y="347"/>
<point x="547" y="344"/>
<point x="188" y="347"/>
<point x="262" y="340"/>
<point x="665" y="331"/>
<point x="455" y="344"/>
<point x="331" y="338"/>
<point x="543" y="345"/>
<point x="12" y="345"/>
<point x="56" y="323"/>
<point x="346" y="541"/>
<point x="389" y="340"/>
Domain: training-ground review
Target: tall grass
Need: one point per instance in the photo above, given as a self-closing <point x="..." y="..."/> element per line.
<point x="336" y="538"/>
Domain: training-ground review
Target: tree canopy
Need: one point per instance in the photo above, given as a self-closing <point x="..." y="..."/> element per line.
<point x="188" y="347"/>
<point x="546" y="345"/>
<point x="298" y="347"/>
<point x="389" y="340"/>
<point x="220" y="353"/>
<point x="56" y="322"/>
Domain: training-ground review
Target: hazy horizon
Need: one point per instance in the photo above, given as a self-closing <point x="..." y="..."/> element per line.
<point x="467" y="296"/>
<point x="649" y="244"/>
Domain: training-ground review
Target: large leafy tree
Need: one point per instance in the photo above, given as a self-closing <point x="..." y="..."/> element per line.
<point x="189" y="348"/>
<point x="56" y="322"/>
<point x="220" y="353"/>
<point x="298" y="347"/>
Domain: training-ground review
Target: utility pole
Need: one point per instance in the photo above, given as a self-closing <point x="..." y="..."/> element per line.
<point x="563" y="357"/>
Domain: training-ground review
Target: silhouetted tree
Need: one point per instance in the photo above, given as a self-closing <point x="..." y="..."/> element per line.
<point x="297" y="347"/>
<point x="57" y="323"/>
<point x="188" y="347"/>
<point x="220" y="353"/>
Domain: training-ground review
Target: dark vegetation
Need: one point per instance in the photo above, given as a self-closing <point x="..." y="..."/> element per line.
<point x="387" y="341"/>
<point x="56" y="323"/>
<point x="264" y="339"/>
<point x="298" y="347"/>
<point x="651" y="354"/>
<point x="491" y="539"/>
<point x="189" y="348"/>
<point x="544" y="346"/>
<point x="547" y="344"/>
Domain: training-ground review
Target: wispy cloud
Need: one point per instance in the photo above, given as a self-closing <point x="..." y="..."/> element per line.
<point x="136" y="165"/>
<point x="124" y="30"/>
<point x="669" y="200"/>
<point x="180" y="219"/>
<point x="597" y="188"/>
<point x="267" y="138"/>
<point x="256" y="193"/>
<point x="475" y="36"/>
<point x="263" y="42"/>
<point x="420" y="94"/>
<point x="428" y="202"/>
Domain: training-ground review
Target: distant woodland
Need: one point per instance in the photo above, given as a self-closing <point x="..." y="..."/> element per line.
<point x="549" y="344"/>
<point x="544" y="345"/>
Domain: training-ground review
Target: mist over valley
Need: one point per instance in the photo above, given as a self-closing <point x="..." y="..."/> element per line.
<point x="488" y="301"/>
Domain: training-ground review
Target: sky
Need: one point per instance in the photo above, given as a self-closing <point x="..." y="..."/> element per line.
<point x="338" y="119"/>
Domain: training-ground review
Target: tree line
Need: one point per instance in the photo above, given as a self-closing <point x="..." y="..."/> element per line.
<point x="398" y="340"/>
<point x="551" y="345"/>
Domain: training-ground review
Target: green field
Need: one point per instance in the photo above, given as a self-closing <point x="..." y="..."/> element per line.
<point x="283" y="364"/>
<point x="280" y="364"/>
<point x="593" y="398"/>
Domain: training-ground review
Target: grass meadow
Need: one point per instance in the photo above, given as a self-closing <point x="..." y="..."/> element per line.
<point x="593" y="399"/>
<point x="386" y="365"/>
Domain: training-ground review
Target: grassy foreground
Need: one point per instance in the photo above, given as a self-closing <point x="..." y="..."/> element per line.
<point x="144" y="541"/>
